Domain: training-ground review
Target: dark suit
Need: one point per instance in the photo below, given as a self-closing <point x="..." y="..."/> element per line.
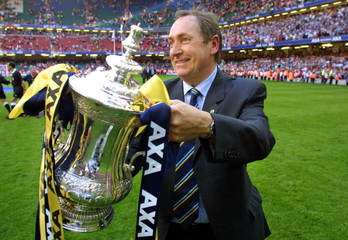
<point x="29" y="78"/>
<point x="232" y="203"/>
<point x="145" y="74"/>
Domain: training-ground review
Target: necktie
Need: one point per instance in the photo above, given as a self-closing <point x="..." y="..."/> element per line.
<point x="186" y="197"/>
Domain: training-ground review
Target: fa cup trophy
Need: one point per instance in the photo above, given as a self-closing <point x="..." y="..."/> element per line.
<point x="92" y="171"/>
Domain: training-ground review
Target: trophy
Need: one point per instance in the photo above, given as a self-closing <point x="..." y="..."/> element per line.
<point x="92" y="171"/>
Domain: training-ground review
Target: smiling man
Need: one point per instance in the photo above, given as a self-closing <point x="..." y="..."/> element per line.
<point x="207" y="193"/>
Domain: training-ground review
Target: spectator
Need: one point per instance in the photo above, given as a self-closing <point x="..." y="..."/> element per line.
<point x="152" y="71"/>
<point x="31" y="76"/>
<point x="145" y="74"/>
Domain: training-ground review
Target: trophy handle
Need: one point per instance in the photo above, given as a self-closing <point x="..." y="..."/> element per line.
<point x="129" y="166"/>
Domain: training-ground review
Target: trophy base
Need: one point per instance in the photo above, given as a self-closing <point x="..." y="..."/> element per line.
<point x="79" y="218"/>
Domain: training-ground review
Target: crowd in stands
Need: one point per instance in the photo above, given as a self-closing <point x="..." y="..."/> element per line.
<point x="319" y="67"/>
<point x="304" y="26"/>
<point x="234" y="9"/>
<point x="150" y="13"/>
<point x="42" y="40"/>
<point x="328" y="22"/>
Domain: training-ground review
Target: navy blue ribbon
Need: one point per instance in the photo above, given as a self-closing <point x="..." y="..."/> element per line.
<point x="157" y="119"/>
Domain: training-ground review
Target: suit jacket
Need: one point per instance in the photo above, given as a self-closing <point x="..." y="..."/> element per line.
<point x="144" y="73"/>
<point x="232" y="203"/>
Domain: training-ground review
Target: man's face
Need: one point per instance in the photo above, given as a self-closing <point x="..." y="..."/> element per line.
<point x="33" y="71"/>
<point x="191" y="58"/>
<point x="9" y="68"/>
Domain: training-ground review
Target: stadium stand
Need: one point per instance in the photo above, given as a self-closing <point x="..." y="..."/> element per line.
<point x="254" y="36"/>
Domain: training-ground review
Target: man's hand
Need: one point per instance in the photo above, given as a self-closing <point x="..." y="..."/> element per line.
<point x="187" y="122"/>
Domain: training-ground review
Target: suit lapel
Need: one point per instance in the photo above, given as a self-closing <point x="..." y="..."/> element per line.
<point x="218" y="88"/>
<point x="176" y="90"/>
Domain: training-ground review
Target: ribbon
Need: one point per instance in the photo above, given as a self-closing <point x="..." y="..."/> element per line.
<point x="45" y="94"/>
<point x="49" y="214"/>
<point x="156" y="122"/>
<point x="33" y="100"/>
<point x="155" y="91"/>
<point x="157" y="119"/>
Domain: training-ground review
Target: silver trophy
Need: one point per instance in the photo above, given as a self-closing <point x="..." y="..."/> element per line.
<point x="92" y="172"/>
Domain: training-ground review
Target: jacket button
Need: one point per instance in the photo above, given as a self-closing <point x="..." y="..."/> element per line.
<point x="227" y="154"/>
<point x="232" y="154"/>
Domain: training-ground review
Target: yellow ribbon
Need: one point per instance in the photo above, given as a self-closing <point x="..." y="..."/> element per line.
<point x="155" y="91"/>
<point x="41" y="81"/>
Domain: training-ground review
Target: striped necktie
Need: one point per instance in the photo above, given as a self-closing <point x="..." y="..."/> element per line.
<point x="186" y="197"/>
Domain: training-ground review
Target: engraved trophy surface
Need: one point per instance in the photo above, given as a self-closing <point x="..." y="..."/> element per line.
<point x="92" y="171"/>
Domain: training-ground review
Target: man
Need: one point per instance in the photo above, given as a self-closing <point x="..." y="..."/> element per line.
<point x="152" y="71"/>
<point x="17" y="83"/>
<point x="31" y="76"/>
<point x="144" y="74"/>
<point x="2" y="93"/>
<point x="230" y="130"/>
<point x="148" y="72"/>
<point x="324" y="75"/>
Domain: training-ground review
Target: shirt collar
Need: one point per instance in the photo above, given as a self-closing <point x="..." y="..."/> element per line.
<point x="204" y="86"/>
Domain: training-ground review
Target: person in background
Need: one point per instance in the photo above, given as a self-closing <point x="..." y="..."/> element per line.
<point x="144" y="74"/>
<point x="17" y="83"/>
<point x="148" y="71"/>
<point x="31" y="76"/>
<point x="152" y="71"/>
<point x="228" y="129"/>
<point x="2" y="93"/>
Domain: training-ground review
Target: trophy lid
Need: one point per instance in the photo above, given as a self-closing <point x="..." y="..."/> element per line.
<point x="114" y="88"/>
